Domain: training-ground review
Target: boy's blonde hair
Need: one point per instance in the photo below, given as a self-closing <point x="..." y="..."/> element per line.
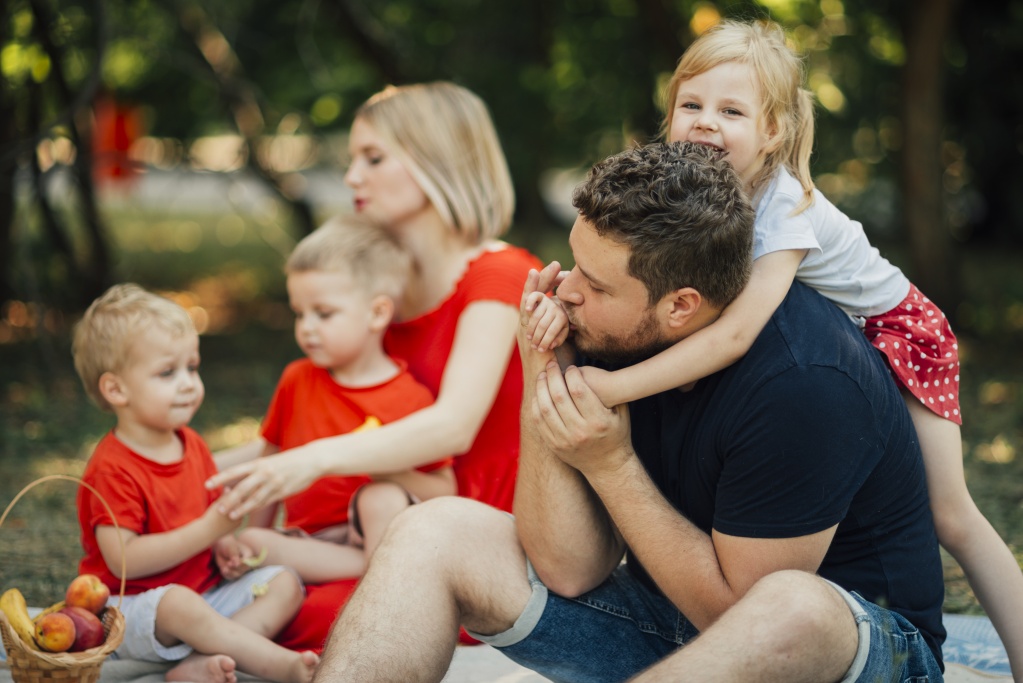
<point x="778" y="73"/>
<point x="447" y="140"/>
<point x="103" y="338"/>
<point x="351" y="245"/>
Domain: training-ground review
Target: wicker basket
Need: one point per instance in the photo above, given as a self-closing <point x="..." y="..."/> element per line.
<point x="29" y="665"/>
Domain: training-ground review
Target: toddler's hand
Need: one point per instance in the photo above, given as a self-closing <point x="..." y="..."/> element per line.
<point x="548" y="325"/>
<point x="230" y="555"/>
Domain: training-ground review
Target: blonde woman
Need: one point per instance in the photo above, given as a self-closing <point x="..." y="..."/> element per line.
<point x="426" y="164"/>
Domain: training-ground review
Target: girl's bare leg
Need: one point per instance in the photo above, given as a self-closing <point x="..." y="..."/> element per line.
<point x="966" y="534"/>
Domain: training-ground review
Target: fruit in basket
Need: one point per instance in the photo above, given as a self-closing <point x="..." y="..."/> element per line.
<point x="55" y="632"/>
<point x="55" y="607"/>
<point x="88" y="628"/>
<point x="14" y="607"/>
<point x="86" y="590"/>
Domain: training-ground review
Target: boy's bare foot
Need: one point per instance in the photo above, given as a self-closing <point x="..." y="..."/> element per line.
<point x="199" y="668"/>
<point x="305" y="667"/>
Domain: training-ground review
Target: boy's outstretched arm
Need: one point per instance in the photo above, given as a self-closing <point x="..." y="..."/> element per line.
<point x="148" y="554"/>
<point x="710" y="349"/>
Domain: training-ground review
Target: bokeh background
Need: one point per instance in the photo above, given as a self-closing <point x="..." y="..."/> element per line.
<point x="186" y="145"/>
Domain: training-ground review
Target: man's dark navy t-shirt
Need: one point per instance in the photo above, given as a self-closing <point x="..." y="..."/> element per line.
<point x="807" y="431"/>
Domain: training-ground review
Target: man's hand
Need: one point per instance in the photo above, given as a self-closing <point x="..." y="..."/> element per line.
<point x="576" y="426"/>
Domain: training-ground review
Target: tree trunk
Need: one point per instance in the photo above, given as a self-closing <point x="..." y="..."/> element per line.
<point x="925" y="29"/>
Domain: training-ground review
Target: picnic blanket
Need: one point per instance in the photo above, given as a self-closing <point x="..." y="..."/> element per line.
<point x="973" y="654"/>
<point x="471" y="664"/>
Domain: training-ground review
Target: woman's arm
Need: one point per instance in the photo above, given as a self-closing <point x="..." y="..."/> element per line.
<point x="484" y="341"/>
<point x="711" y="349"/>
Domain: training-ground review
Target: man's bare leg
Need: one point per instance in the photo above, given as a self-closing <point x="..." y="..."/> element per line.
<point x="441" y="563"/>
<point x="790" y="627"/>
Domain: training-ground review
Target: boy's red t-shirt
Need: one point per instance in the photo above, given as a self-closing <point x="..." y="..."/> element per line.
<point x="147" y="498"/>
<point x="308" y="405"/>
<point x="487" y="471"/>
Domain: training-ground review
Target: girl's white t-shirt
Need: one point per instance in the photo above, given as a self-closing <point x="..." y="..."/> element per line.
<point x="840" y="262"/>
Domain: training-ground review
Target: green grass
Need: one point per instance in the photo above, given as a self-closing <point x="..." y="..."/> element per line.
<point x="230" y="268"/>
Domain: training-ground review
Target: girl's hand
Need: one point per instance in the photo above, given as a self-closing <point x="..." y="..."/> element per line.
<point x="264" y="481"/>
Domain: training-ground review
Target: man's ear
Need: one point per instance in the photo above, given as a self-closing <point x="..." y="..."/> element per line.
<point x="682" y="304"/>
<point x="112" y="389"/>
<point x="381" y="312"/>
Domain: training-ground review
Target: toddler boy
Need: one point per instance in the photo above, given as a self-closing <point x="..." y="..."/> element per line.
<point x="137" y="355"/>
<point x="344" y="281"/>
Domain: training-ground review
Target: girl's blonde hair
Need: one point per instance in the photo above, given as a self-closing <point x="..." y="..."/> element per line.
<point x="104" y="337"/>
<point x="778" y="73"/>
<point x="447" y="140"/>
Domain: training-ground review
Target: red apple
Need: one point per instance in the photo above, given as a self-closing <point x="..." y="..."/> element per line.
<point x="88" y="628"/>
<point x="86" y="590"/>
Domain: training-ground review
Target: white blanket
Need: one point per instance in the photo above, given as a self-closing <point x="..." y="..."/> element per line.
<point x="472" y="664"/>
<point x="972" y="652"/>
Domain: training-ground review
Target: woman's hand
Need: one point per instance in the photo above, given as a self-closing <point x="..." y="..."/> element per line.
<point x="264" y="481"/>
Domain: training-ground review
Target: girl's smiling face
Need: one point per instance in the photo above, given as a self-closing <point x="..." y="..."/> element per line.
<point x="721" y="107"/>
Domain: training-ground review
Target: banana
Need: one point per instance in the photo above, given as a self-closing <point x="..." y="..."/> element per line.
<point x="372" y="422"/>
<point x="256" y="560"/>
<point x="55" y="607"/>
<point x="14" y="607"/>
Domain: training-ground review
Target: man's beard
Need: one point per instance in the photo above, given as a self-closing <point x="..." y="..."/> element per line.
<point x="644" y="342"/>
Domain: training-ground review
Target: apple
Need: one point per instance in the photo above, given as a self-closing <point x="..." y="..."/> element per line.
<point x="55" y="632"/>
<point x="86" y="590"/>
<point x="88" y="628"/>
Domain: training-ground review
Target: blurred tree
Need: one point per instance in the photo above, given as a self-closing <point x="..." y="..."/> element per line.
<point x="926" y="25"/>
<point x="567" y="83"/>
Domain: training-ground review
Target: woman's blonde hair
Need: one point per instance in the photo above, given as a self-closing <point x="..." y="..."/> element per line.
<point x="447" y="140"/>
<point x="104" y="337"/>
<point x="779" y="75"/>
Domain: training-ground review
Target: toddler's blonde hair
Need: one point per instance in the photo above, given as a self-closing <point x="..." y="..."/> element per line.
<point x="353" y="246"/>
<point x="104" y="337"/>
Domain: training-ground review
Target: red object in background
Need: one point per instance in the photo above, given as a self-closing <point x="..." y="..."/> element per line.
<point x="117" y="126"/>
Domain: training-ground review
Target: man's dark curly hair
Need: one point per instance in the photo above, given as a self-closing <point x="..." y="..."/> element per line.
<point x="683" y="213"/>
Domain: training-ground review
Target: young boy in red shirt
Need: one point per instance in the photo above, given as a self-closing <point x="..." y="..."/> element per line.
<point x="137" y="355"/>
<point x="343" y="283"/>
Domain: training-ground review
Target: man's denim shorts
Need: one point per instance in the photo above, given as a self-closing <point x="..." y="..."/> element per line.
<point x="620" y="628"/>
